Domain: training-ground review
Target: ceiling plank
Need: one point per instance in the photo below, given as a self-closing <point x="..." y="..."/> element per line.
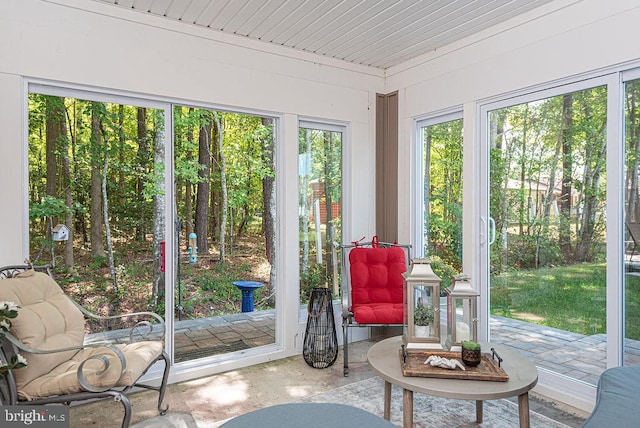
<point x="194" y="10"/>
<point x="177" y="8"/>
<point x="159" y="7"/>
<point x="376" y="33"/>
<point x="142" y="5"/>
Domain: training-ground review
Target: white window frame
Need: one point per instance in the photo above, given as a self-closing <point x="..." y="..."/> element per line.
<point x="417" y="221"/>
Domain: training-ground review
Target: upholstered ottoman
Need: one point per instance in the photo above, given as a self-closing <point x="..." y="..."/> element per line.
<point x="617" y="399"/>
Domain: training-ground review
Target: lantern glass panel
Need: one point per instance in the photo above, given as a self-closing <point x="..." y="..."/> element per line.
<point x="462" y="312"/>
<point x="462" y="318"/>
<point x="422" y="307"/>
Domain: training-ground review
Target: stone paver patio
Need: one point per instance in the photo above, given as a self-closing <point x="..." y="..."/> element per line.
<point x="575" y="355"/>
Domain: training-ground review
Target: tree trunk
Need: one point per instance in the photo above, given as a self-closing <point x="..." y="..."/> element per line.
<point x="595" y="156"/>
<point x="188" y="191"/>
<point x="142" y="161"/>
<point x="633" y="167"/>
<point x="522" y="218"/>
<point x="105" y="212"/>
<point x="54" y="124"/>
<point x="223" y="187"/>
<point x="427" y="191"/>
<point x="158" y="214"/>
<point x="214" y="187"/>
<point x="564" y="203"/>
<point x="269" y="206"/>
<point x="202" y="197"/>
<point x="80" y="219"/>
<point x="122" y="191"/>
<point x="97" y="244"/>
<point x="548" y="197"/>
<point x="68" y="194"/>
<point x="304" y="194"/>
<point x="328" y="199"/>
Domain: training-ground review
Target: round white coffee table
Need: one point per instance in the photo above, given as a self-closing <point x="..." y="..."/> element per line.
<point x="384" y="360"/>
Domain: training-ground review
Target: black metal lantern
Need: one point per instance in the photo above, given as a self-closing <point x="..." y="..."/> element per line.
<point x="320" y="349"/>
<point x="421" y="327"/>
<point x="462" y="312"/>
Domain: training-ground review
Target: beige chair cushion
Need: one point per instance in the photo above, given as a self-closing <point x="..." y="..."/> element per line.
<point x="47" y="320"/>
<point x="64" y="378"/>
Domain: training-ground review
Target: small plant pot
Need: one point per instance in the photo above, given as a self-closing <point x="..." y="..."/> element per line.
<point x="471" y="357"/>
<point x="422" y="330"/>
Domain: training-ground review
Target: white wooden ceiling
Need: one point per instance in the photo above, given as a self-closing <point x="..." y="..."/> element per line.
<point x="376" y="33"/>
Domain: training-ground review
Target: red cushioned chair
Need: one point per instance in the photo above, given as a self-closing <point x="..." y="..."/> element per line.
<point x="372" y="290"/>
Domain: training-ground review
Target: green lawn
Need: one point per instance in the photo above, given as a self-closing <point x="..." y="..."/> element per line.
<point x="571" y="298"/>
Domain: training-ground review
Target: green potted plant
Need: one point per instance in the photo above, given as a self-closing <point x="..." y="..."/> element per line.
<point x="422" y="318"/>
<point x="8" y="311"/>
<point x="471" y="353"/>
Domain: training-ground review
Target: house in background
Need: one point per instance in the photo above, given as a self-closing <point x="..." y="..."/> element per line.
<point x="129" y="51"/>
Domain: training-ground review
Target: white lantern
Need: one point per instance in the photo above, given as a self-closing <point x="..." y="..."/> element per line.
<point x="421" y="329"/>
<point x="462" y="312"/>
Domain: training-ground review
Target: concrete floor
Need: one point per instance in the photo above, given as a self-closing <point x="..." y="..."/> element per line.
<point x="214" y="399"/>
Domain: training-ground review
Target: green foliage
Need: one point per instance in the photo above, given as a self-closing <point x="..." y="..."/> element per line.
<point x="570" y="297"/>
<point x="8" y="311"/>
<point x="97" y="262"/>
<point x="217" y="279"/>
<point x="445" y="271"/>
<point x="501" y="300"/>
<point x="423" y="315"/>
<point x="559" y="139"/>
<point x="48" y="207"/>
<point x="315" y="277"/>
<point x="443" y="191"/>
<point x="471" y="345"/>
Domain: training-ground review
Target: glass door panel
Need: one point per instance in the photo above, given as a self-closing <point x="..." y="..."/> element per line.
<point x="632" y="224"/>
<point x="441" y="207"/>
<point x="440" y="237"/>
<point x="96" y="172"/>
<point x="547" y="200"/>
<point x="225" y="201"/>
<point x="320" y="207"/>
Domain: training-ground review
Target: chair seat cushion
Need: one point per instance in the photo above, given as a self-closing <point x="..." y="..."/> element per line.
<point x="376" y="275"/>
<point x="47" y="319"/>
<point x="64" y="378"/>
<point x="378" y="313"/>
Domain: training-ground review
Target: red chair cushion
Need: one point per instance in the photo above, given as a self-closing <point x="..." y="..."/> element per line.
<point x="376" y="284"/>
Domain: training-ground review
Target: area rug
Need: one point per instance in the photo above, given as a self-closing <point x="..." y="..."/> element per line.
<point x="170" y="420"/>
<point x="429" y="411"/>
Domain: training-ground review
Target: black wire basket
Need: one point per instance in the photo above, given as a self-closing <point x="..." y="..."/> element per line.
<point x="320" y="341"/>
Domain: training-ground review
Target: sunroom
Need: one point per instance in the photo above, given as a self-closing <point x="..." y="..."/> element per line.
<point x="500" y="138"/>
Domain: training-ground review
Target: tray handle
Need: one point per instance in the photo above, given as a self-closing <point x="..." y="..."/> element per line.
<point x="495" y="355"/>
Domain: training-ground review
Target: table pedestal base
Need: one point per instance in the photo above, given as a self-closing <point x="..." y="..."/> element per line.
<point x="407" y="407"/>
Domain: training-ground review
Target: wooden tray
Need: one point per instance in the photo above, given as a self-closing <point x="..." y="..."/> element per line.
<point x="487" y="369"/>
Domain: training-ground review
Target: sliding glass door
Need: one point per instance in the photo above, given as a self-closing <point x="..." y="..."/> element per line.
<point x="547" y="229"/>
<point x="440" y="192"/>
<point x="631" y="291"/>
<point x="319" y="206"/>
<point x="142" y="205"/>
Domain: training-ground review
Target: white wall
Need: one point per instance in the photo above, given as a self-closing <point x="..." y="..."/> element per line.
<point x="119" y="49"/>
